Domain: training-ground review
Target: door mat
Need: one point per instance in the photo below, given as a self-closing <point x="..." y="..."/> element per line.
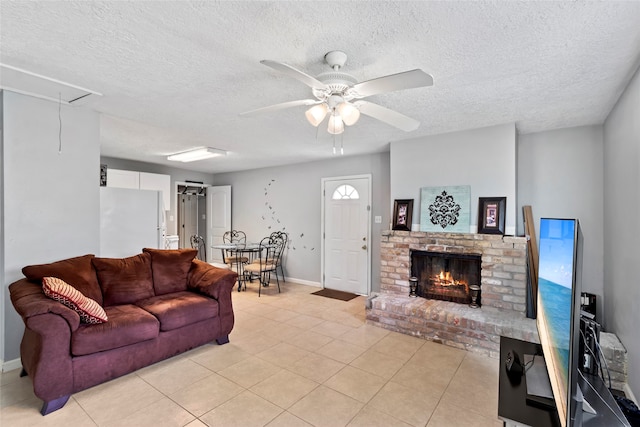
<point x="331" y="293"/>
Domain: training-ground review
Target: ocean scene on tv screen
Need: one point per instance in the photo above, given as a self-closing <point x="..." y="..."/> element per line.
<point x="555" y="279"/>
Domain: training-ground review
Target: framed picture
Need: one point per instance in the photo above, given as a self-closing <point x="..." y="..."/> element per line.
<point x="491" y="212"/>
<point x="402" y="212"/>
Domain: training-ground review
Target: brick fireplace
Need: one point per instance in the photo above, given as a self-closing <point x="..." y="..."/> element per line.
<point x="503" y="264"/>
<point x="503" y="294"/>
<point x="503" y="280"/>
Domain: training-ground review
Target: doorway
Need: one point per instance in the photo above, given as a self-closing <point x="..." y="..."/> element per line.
<point x="192" y="208"/>
<point x="346" y="233"/>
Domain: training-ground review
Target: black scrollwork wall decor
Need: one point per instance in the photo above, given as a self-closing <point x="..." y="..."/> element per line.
<point x="445" y="209"/>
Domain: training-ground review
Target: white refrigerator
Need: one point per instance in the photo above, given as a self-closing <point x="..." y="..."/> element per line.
<point x="129" y="221"/>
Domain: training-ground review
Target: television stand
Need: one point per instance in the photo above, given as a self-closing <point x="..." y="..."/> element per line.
<point x="514" y="409"/>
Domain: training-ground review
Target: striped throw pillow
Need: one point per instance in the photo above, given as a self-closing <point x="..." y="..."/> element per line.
<point x="89" y="310"/>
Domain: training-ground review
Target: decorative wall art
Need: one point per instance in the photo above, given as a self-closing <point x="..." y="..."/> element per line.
<point x="103" y="175"/>
<point x="491" y="212"/>
<point x="273" y="223"/>
<point x="445" y="209"/>
<point x="402" y="212"/>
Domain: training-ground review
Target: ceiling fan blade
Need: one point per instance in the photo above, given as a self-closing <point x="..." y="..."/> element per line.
<point x="390" y="117"/>
<point x="392" y="82"/>
<point x="305" y="78"/>
<point x="281" y="106"/>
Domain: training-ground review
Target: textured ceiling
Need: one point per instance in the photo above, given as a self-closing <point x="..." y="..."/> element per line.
<point x="175" y="75"/>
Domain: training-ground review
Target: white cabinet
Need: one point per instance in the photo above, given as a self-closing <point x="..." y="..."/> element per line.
<point x="123" y="179"/>
<point x="141" y="181"/>
<point x="159" y="182"/>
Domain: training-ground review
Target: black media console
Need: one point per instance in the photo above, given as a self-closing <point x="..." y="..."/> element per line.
<point x="514" y="409"/>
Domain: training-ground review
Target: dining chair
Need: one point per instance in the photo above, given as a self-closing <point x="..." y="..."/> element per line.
<point x="234" y="237"/>
<point x="197" y="242"/>
<point x="279" y="251"/>
<point x="265" y="264"/>
<point x="279" y="242"/>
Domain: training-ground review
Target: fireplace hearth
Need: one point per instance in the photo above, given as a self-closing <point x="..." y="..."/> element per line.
<point x="446" y="276"/>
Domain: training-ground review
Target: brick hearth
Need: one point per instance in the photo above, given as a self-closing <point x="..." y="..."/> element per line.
<point x="503" y="287"/>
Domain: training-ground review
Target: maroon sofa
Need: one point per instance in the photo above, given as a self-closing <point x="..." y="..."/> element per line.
<point x="159" y="303"/>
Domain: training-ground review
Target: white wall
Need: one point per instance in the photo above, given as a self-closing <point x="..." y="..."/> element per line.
<point x="177" y="175"/>
<point x="293" y="193"/>
<point x="51" y="199"/>
<point x="621" y="226"/>
<point x="560" y="175"/>
<point x="483" y="158"/>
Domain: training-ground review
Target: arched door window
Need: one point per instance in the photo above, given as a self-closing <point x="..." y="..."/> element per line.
<point x="345" y="192"/>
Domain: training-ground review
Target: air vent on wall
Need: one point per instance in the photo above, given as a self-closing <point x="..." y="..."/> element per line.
<point x="28" y="83"/>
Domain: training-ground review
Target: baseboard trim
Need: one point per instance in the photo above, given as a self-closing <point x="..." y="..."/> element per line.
<point x="10" y="365"/>
<point x="304" y="282"/>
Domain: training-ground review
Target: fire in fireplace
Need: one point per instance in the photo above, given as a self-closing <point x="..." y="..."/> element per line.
<point x="446" y="276"/>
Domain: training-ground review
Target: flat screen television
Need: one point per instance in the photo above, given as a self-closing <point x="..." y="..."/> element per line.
<point x="558" y="311"/>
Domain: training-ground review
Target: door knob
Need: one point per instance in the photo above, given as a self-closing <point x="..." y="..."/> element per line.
<point x="364" y="247"/>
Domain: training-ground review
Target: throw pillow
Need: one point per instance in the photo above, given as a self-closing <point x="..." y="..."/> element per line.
<point x="77" y="271"/>
<point x="88" y="309"/>
<point x="124" y="280"/>
<point x="170" y="268"/>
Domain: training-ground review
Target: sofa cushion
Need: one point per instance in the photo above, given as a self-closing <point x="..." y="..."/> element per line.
<point x="124" y="280"/>
<point x="170" y="268"/>
<point x="88" y="310"/>
<point x="127" y="324"/>
<point x="180" y="309"/>
<point x="77" y="271"/>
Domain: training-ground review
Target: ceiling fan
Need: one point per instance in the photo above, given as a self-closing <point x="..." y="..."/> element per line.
<point x="339" y="95"/>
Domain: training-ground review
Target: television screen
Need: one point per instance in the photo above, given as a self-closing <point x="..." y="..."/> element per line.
<point x="556" y="315"/>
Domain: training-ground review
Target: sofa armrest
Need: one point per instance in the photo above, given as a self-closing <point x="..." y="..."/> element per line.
<point x="212" y="281"/>
<point x="29" y="300"/>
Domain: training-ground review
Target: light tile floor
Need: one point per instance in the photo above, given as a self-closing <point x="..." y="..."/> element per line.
<point x="294" y="359"/>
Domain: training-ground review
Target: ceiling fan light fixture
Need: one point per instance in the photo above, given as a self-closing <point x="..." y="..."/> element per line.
<point x="349" y="113"/>
<point x="316" y="114"/>
<point x="336" y="125"/>
<point x="197" y="154"/>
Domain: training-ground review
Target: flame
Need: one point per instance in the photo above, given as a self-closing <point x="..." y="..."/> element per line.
<point x="446" y="279"/>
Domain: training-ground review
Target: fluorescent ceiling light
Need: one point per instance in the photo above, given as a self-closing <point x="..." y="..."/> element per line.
<point x="197" y="154"/>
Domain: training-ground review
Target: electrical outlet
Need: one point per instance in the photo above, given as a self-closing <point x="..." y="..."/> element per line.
<point x="378" y="219"/>
<point x="204" y="216"/>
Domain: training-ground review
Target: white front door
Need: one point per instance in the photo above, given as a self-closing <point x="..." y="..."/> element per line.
<point x="218" y="219"/>
<point x="346" y="230"/>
